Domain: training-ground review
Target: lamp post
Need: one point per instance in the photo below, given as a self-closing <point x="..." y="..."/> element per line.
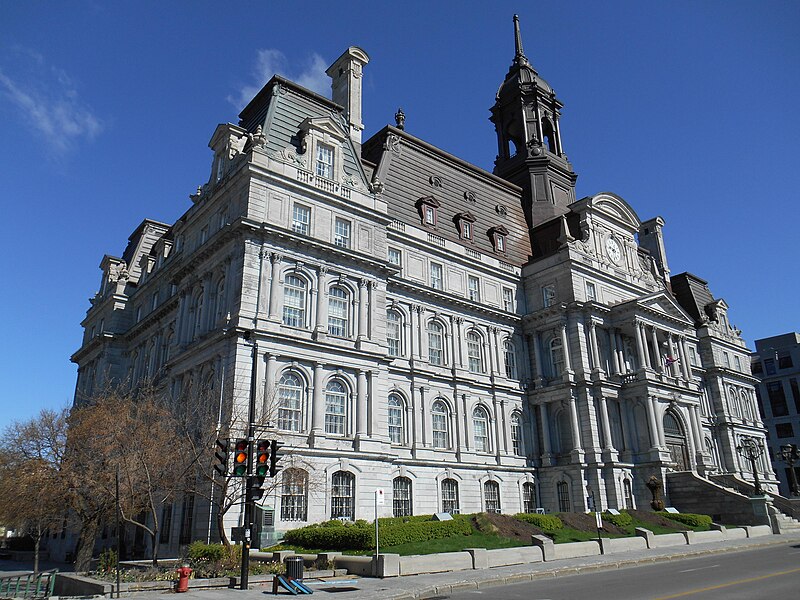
<point x="752" y="450"/>
<point x="790" y="455"/>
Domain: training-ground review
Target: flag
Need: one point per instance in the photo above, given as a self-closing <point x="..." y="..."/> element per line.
<point x="670" y="360"/>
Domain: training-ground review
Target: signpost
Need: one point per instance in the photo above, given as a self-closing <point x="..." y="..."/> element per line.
<point x="379" y="501"/>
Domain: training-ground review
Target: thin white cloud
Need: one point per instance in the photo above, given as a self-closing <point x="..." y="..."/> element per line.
<point x="269" y="62"/>
<point x="49" y="103"/>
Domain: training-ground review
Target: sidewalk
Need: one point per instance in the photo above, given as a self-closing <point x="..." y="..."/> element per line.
<point x="426" y="586"/>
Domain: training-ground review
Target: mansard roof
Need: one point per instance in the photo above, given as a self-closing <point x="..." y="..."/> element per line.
<point x="411" y="169"/>
<point x="693" y="294"/>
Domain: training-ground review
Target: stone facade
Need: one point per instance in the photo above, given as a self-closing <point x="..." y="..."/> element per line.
<point x="467" y="341"/>
<point x="777" y="362"/>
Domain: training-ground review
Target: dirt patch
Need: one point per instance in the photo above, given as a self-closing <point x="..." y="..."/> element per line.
<point x="651" y="517"/>
<point x="506" y="526"/>
<point x="586" y="522"/>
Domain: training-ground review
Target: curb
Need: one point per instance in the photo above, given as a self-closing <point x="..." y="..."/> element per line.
<point x="479" y="584"/>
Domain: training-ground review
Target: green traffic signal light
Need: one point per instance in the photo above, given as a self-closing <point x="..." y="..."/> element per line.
<point x="240" y="458"/>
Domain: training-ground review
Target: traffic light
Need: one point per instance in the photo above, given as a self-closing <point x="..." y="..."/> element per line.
<point x="240" y="453"/>
<point x="262" y="459"/>
<point x="221" y="457"/>
<point x="274" y="457"/>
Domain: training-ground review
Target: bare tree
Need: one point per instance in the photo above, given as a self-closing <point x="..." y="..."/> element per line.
<point x="31" y="492"/>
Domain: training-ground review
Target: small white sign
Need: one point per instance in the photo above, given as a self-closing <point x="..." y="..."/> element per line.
<point x="613" y="511"/>
<point x="598" y="517"/>
<point x="379" y="499"/>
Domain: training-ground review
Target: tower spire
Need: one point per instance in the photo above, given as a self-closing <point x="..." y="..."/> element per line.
<point x="519" y="55"/>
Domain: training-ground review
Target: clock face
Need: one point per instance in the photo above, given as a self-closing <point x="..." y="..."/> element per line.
<point x="613" y="250"/>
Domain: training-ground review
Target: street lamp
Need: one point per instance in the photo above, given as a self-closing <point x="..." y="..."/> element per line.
<point x="752" y="450"/>
<point x="789" y="454"/>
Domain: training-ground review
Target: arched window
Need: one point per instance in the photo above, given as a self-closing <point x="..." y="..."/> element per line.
<point x="516" y="435"/>
<point x="196" y="311"/>
<point x="528" y="497"/>
<point x="627" y="493"/>
<point x="337" y="312"/>
<point x="562" y="490"/>
<point x="343" y="493"/>
<point x="556" y="357"/>
<point x="294" y="301"/>
<point x="290" y="402"/>
<point x="396" y="428"/>
<point x="393" y="330"/>
<point x="491" y="495"/>
<point x="450" y="496"/>
<point x="510" y="360"/>
<point x="335" y="408"/>
<point x="218" y="309"/>
<point x="440" y="417"/>
<point x="474" y="352"/>
<point x="435" y="343"/>
<point x="294" y="495"/>
<point x="671" y="425"/>
<point x="549" y="135"/>
<point x="401" y="497"/>
<point x="733" y="402"/>
<point x="480" y="426"/>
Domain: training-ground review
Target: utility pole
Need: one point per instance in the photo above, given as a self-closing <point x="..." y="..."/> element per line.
<point x="249" y="504"/>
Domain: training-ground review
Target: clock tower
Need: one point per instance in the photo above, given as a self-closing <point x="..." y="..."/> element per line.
<point x="526" y="117"/>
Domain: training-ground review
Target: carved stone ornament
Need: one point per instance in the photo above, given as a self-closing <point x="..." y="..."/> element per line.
<point x="289" y="155"/>
<point x="392" y="143"/>
<point x="117" y="272"/>
<point x="501" y="210"/>
<point x="470" y="196"/>
<point x="376" y="187"/>
<point x="258" y="139"/>
<point x="435" y="181"/>
<point x="400" y="118"/>
<point x="656" y="487"/>
<point x="350" y="180"/>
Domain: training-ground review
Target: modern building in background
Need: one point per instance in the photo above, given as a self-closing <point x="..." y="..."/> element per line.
<point x="467" y="341"/>
<point x="777" y="362"/>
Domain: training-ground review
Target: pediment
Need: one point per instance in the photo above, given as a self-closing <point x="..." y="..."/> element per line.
<point x="663" y="303"/>
<point x="611" y="207"/>
<point x="323" y="125"/>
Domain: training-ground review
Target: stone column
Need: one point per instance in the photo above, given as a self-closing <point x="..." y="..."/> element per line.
<point x="492" y="350"/>
<point x="318" y="402"/>
<point x="361" y="404"/>
<point x="624" y="424"/>
<point x="576" y="432"/>
<point x="565" y="348"/>
<point x="686" y="366"/>
<point x="423" y="424"/>
<point x="604" y="422"/>
<point x="504" y="427"/>
<point x="537" y="358"/>
<point x="371" y="304"/>
<point x="651" y="418"/>
<point x="421" y="332"/>
<point x="659" y="424"/>
<point x="615" y="364"/>
<point x="362" y="308"/>
<point x="546" y="445"/>
<point x="674" y="354"/>
<point x="594" y="347"/>
<point x="499" y="423"/>
<point x="458" y="336"/>
<point x="322" y="295"/>
<point x="656" y="353"/>
<point x="269" y="405"/>
<point x="372" y="406"/>
<point x="641" y="350"/>
<point x="275" y="287"/>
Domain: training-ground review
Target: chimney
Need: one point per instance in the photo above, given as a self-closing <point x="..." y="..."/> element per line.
<point x="345" y="74"/>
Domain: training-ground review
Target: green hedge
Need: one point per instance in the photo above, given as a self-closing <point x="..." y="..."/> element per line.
<point x="690" y="519"/>
<point x="543" y="522"/>
<point x="199" y="551"/>
<point x="336" y="535"/>
<point x="623" y="519"/>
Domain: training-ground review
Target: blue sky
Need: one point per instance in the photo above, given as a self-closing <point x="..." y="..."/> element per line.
<point x="688" y="110"/>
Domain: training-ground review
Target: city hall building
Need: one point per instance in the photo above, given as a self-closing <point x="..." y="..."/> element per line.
<point x="464" y="340"/>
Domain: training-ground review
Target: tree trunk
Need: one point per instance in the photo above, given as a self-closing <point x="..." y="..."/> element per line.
<point x="221" y="530"/>
<point x="85" y="546"/>
<point x="36" y="546"/>
<point x="154" y="544"/>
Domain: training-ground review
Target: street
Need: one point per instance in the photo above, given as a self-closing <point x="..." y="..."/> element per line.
<point x="772" y="572"/>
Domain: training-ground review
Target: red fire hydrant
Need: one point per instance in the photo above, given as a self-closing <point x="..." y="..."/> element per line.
<point x="183" y="579"/>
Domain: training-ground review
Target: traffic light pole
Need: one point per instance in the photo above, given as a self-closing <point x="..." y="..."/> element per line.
<point x="249" y="508"/>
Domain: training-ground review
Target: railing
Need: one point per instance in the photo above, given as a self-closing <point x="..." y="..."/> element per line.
<point x="473" y="253"/>
<point x="31" y="585"/>
<point x="397" y="226"/>
<point x="323" y="184"/>
<point x="506" y="266"/>
<point x="627" y="377"/>
<point x="435" y="239"/>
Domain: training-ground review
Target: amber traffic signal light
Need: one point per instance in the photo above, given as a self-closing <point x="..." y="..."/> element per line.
<point x="240" y="453"/>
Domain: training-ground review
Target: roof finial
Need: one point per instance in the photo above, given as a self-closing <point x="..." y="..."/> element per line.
<point x="519" y="55"/>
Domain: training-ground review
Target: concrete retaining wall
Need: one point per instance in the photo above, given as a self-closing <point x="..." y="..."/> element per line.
<point x="669" y="539"/>
<point x="514" y="556"/>
<point x="611" y="545"/>
<point x="435" y="563"/>
<point x="577" y="549"/>
<point x="357" y="565"/>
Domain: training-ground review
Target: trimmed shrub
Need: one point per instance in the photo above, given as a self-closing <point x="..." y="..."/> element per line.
<point x="544" y="522"/>
<point x="422" y="531"/>
<point x="623" y="519"/>
<point x="332" y="535"/>
<point x="201" y="552"/>
<point x="690" y="519"/>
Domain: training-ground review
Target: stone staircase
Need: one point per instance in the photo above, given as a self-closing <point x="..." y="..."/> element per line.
<point x="689" y="492"/>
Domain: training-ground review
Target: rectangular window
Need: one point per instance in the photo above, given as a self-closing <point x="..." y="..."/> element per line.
<point x="508" y="299"/>
<point x="474" y="285"/>
<point x="395" y="257"/>
<point x="769" y="366"/>
<point x="548" y="295"/>
<point x="301" y="219"/>
<point x="154" y="302"/>
<point x="500" y="242"/>
<point x="692" y="356"/>
<point x="293" y="496"/>
<point x="324" y="162"/>
<point x="138" y="313"/>
<point x="401" y="494"/>
<point x="757" y="367"/>
<point x="466" y="230"/>
<point x="737" y="361"/>
<point x="795" y="394"/>
<point x="341" y="235"/>
<point x="784" y="360"/>
<point x="591" y="292"/>
<point x="166" y="523"/>
<point x="204" y="234"/>
<point x="784" y="430"/>
<point x="187" y="519"/>
<point x="437" y="276"/>
<point x="393" y="333"/>
<point x="777" y="399"/>
<point x="727" y="359"/>
<point x="430" y="215"/>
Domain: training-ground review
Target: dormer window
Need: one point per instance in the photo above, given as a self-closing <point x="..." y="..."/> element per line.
<point x="498" y="236"/>
<point x="324" y="161"/>
<point x="465" y="222"/>
<point x="428" y="209"/>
